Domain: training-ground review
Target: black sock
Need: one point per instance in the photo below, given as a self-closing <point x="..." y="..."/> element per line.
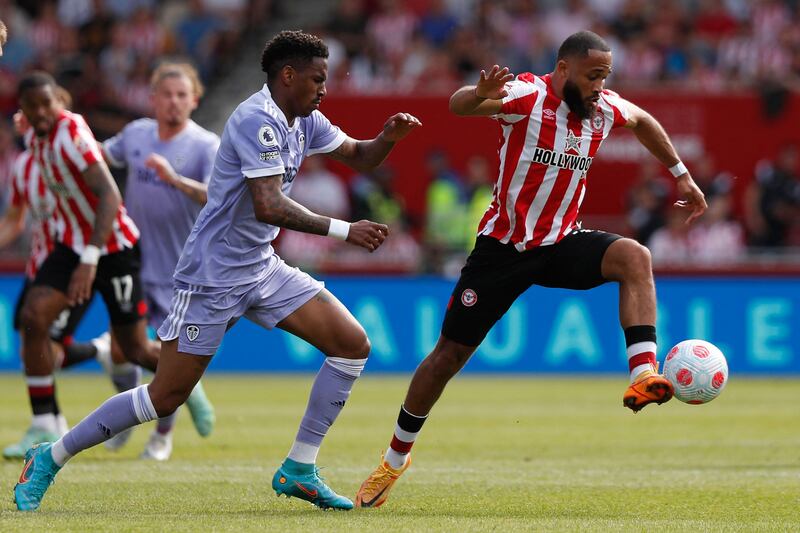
<point x="634" y="334"/>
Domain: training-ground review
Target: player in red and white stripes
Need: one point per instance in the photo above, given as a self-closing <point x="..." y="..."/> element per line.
<point x="551" y="128"/>
<point x="29" y="194"/>
<point x="95" y="243"/>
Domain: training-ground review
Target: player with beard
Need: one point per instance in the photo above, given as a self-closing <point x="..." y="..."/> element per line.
<point x="552" y="126"/>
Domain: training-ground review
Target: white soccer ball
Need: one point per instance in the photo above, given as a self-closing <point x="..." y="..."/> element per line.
<point x="697" y="369"/>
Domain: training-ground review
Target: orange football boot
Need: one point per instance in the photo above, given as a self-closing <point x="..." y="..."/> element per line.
<point x="648" y="387"/>
<point x="375" y="490"/>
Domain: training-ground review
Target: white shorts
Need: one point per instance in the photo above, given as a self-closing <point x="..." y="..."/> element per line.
<point x="199" y="315"/>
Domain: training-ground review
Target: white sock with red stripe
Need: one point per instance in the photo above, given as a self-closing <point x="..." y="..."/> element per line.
<point x="405" y="433"/>
<point x="641" y="357"/>
<point x="641" y="343"/>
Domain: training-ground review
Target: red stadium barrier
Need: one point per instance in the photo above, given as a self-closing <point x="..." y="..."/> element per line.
<point x="734" y="129"/>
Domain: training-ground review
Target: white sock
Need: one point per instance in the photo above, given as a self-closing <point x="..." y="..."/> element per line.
<point x="302" y="452"/>
<point x="395" y="459"/>
<point x="60" y="453"/>
<point x="45" y="422"/>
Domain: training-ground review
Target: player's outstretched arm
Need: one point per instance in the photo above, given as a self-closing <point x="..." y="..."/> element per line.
<point x="12" y="224"/>
<point x="653" y="137"/>
<point x="366" y="155"/>
<point x="195" y="190"/>
<point x="485" y="98"/>
<point x="273" y="207"/>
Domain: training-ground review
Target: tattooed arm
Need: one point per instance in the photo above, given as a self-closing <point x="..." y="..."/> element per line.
<point x="273" y="207"/>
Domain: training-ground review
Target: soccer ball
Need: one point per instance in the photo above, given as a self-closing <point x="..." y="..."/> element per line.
<point x="697" y="369"/>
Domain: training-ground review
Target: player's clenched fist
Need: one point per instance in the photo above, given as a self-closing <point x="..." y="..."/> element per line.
<point x="367" y="234"/>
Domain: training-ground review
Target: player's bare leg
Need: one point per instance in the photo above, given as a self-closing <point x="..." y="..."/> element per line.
<point x="132" y="340"/>
<point x="431" y="377"/>
<point x="629" y="263"/>
<point x="41" y="307"/>
<point x="327" y="324"/>
<point x="176" y="376"/>
<point x="138" y="348"/>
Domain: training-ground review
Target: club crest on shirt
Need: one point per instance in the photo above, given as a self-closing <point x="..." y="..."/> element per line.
<point x="266" y="136"/>
<point x="598" y="121"/>
<point x="301" y="140"/>
<point x="192" y="332"/>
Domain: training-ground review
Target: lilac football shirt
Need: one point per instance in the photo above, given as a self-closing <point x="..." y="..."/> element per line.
<point x="228" y="246"/>
<point x="164" y="215"/>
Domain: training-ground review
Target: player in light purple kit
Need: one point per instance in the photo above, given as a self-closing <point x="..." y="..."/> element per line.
<point x="169" y="160"/>
<point x="228" y="269"/>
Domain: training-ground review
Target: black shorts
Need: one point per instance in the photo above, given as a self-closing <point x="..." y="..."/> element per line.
<point x="117" y="280"/>
<point x="66" y="323"/>
<point x="496" y="274"/>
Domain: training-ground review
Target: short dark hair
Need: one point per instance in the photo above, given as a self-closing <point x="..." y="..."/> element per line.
<point x="37" y="78"/>
<point x="579" y="44"/>
<point x="295" y="48"/>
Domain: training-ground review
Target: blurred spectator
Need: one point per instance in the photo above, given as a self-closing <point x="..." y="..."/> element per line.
<point x="716" y="239"/>
<point x="647" y="201"/>
<point x="45" y="31"/>
<point x="349" y="24"/>
<point x="95" y="33"/>
<point x="324" y="193"/>
<point x="372" y="198"/>
<point x="445" y="207"/>
<point x="437" y="24"/>
<point x="392" y="29"/>
<point x="711" y="181"/>
<point x="669" y="245"/>
<point x="321" y="190"/>
<point x="772" y="201"/>
<point x="478" y="184"/>
<point x="198" y="36"/>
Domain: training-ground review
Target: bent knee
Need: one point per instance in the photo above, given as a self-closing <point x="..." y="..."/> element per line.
<point x="629" y="260"/>
<point x="32" y="318"/>
<point x="167" y="401"/>
<point x="353" y="345"/>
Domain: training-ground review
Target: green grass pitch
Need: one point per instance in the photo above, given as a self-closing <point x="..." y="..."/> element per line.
<point x="498" y="454"/>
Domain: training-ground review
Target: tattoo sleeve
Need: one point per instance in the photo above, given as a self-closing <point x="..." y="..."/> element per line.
<point x="273" y="207"/>
<point x="100" y="182"/>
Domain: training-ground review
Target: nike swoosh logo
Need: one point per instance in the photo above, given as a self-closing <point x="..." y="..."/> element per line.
<point x="373" y="500"/>
<point x="23" y="478"/>
<point x="310" y="493"/>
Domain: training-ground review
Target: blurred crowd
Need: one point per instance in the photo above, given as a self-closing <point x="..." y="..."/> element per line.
<point x="766" y="223"/>
<point x="431" y="46"/>
<point x="102" y="51"/>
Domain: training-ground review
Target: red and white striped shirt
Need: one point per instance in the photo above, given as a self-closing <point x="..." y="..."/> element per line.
<point x="29" y="190"/>
<point x="63" y="156"/>
<point x="545" y="152"/>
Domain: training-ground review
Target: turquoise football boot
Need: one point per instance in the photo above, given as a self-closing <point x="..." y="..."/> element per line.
<point x="32" y="436"/>
<point x="38" y="474"/>
<point x="202" y="411"/>
<point x="303" y="481"/>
